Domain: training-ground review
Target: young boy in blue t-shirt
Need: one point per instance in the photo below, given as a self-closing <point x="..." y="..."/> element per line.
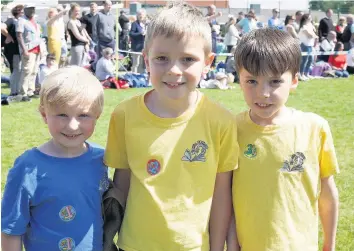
<point x="52" y="198"/>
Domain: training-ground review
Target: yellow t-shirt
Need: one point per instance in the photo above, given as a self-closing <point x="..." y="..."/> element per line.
<point x="277" y="185"/>
<point x="173" y="163"/>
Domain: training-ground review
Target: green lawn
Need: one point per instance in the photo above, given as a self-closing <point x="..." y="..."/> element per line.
<point x="22" y="128"/>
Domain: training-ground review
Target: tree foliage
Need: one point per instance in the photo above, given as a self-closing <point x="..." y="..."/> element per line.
<point x="342" y="6"/>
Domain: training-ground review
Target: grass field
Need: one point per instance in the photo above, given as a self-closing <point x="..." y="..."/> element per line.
<point x="22" y="128"/>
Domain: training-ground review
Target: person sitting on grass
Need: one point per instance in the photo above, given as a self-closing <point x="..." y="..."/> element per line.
<point x="339" y="62"/>
<point x="105" y="66"/>
<point x="285" y="181"/>
<point x="53" y="194"/>
<point x="48" y="68"/>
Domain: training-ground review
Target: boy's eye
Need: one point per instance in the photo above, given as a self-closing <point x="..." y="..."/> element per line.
<point x="276" y="82"/>
<point x="189" y="59"/>
<point x="161" y="58"/>
<point x="62" y="115"/>
<point x="251" y="82"/>
<point x="84" y="115"/>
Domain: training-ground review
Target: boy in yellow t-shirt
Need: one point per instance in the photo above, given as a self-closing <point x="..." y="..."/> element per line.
<point x="173" y="148"/>
<point x="287" y="161"/>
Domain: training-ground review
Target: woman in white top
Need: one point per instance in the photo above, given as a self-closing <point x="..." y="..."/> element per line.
<point x="307" y="36"/>
<point x="232" y="36"/>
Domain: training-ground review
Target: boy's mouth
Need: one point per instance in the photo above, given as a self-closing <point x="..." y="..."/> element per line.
<point x="174" y="84"/>
<point x="262" y="105"/>
<point x="71" y="135"/>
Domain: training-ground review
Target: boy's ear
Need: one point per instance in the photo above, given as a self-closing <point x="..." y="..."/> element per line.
<point x="208" y="61"/>
<point x="146" y="60"/>
<point x="43" y="114"/>
<point x="295" y="82"/>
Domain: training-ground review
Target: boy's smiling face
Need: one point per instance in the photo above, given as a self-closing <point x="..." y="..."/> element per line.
<point x="70" y="125"/>
<point x="266" y="95"/>
<point x="177" y="66"/>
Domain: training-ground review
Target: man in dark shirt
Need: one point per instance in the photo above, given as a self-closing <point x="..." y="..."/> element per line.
<point x="326" y="25"/>
<point x="90" y="22"/>
<point x="124" y="35"/>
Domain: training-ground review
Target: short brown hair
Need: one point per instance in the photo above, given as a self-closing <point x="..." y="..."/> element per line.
<point x="179" y="19"/>
<point x="17" y="10"/>
<point x="268" y="51"/>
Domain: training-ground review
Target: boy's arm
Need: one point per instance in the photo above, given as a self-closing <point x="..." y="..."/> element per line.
<point x="328" y="209"/>
<point x="11" y="242"/>
<point x="220" y="211"/>
<point x="121" y="181"/>
<point x="232" y="240"/>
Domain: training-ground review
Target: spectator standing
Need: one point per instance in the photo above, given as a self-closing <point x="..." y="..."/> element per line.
<point x="348" y="34"/>
<point x="307" y="38"/>
<point x="78" y="35"/>
<point x="211" y="17"/>
<point x="29" y="39"/>
<point x="232" y="36"/>
<point x="274" y="21"/>
<point x="241" y="16"/>
<point x="137" y="36"/>
<point x="54" y="30"/>
<point x="298" y="16"/>
<point x="62" y="34"/>
<point x="326" y="25"/>
<point x="350" y="61"/>
<point x="90" y="22"/>
<point x="247" y="24"/>
<point x="340" y="28"/>
<point x="106" y="25"/>
<point x="11" y="49"/>
<point x="289" y="26"/>
<point x="339" y="62"/>
<point x="124" y="35"/>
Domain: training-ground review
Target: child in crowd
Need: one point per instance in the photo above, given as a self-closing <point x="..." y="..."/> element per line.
<point x="47" y="69"/>
<point x="174" y="149"/>
<point x="105" y="66"/>
<point x="52" y="198"/>
<point x="285" y="177"/>
<point x="339" y="62"/>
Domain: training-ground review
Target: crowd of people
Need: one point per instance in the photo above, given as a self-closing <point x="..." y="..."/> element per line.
<point x="90" y="33"/>
<point x="324" y="37"/>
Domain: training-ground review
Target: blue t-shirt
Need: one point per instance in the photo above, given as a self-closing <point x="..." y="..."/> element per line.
<point x="55" y="203"/>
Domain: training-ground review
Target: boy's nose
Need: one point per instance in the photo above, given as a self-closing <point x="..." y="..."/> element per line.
<point x="73" y="124"/>
<point x="175" y="70"/>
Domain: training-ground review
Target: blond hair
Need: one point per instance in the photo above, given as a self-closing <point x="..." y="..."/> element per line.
<point x="72" y="85"/>
<point x="180" y="20"/>
<point x="107" y="51"/>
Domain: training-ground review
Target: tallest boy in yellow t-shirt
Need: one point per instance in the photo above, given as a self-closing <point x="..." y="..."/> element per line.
<point x="175" y="147"/>
<point x="284" y="182"/>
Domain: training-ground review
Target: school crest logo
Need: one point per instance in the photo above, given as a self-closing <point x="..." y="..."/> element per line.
<point x="153" y="167"/>
<point x="67" y="213"/>
<point x="251" y="151"/>
<point x="295" y="164"/>
<point x="196" y="153"/>
<point x="66" y="244"/>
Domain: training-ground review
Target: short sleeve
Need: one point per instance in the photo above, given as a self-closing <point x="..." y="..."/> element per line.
<point x="15" y="204"/>
<point x="327" y="157"/>
<point x="229" y="149"/>
<point x="20" y="27"/>
<point x="116" y="154"/>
